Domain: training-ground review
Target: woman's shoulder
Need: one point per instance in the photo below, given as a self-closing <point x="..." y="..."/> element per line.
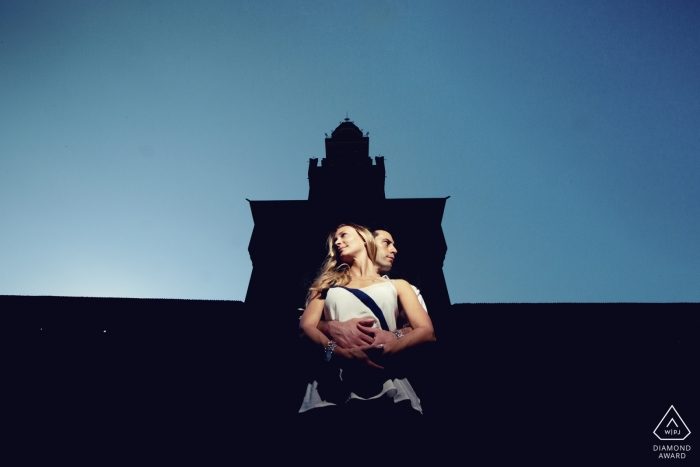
<point x="400" y="284"/>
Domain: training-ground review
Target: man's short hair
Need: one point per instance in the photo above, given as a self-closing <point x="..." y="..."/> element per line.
<point x="375" y="230"/>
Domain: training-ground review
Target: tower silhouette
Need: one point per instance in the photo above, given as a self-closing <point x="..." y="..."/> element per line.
<point x="347" y="164"/>
<point x="287" y="246"/>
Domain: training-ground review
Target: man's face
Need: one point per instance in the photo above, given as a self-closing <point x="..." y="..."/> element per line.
<point x="386" y="251"/>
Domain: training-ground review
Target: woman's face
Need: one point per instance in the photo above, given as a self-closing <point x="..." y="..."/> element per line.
<point x="348" y="243"/>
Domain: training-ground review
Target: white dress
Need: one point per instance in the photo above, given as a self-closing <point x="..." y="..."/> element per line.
<point x="342" y="305"/>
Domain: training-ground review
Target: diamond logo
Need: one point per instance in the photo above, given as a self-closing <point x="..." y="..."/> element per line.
<point x="671" y="427"/>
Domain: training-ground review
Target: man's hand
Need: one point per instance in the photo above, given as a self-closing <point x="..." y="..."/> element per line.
<point x="362" y="355"/>
<point x="379" y="336"/>
<point x="347" y="334"/>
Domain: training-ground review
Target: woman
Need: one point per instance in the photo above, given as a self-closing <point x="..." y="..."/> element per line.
<point x="358" y="373"/>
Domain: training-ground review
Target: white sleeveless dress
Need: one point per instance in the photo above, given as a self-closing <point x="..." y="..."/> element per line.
<point x="342" y="305"/>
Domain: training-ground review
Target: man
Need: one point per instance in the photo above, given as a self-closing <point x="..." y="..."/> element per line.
<point x="358" y="332"/>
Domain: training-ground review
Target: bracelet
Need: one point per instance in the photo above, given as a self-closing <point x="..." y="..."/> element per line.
<point x="329" y="349"/>
<point x="399" y="334"/>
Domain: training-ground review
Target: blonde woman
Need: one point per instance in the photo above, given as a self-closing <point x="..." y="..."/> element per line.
<point x="340" y="292"/>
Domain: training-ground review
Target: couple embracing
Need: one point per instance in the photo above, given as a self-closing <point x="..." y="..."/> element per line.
<point x="353" y="314"/>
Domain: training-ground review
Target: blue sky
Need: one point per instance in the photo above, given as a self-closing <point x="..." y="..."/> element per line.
<point x="567" y="135"/>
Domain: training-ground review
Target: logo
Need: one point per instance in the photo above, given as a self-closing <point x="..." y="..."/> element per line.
<point x="671" y="427"/>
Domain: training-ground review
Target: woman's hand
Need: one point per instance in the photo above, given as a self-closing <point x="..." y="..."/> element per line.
<point x="378" y="335"/>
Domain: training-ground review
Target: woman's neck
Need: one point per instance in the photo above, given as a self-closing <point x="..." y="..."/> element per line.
<point x="360" y="269"/>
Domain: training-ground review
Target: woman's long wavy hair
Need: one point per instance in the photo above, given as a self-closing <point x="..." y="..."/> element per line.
<point x="333" y="271"/>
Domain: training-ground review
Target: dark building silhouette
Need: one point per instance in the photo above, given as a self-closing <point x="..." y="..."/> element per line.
<point x="166" y="377"/>
<point x="288" y="241"/>
<point x="171" y="376"/>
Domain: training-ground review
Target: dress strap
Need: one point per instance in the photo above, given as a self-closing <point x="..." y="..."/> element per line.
<point x="369" y="303"/>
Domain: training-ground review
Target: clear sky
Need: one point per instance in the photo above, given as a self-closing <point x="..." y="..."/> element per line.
<point x="566" y="133"/>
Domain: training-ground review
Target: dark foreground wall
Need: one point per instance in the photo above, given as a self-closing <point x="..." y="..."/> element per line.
<point x="555" y="384"/>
